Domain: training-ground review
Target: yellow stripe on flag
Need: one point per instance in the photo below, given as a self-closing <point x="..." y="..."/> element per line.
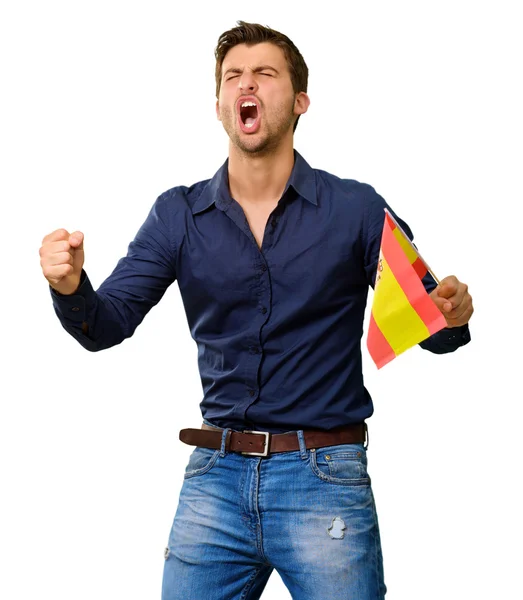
<point x="406" y="247"/>
<point x="394" y="315"/>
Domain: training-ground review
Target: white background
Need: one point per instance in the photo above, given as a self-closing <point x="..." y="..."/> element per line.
<point x="104" y="106"/>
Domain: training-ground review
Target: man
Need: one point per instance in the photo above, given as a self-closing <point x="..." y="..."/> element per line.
<point x="273" y="260"/>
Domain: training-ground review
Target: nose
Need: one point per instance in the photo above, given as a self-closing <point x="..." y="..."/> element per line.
<point x="248" y="82"/>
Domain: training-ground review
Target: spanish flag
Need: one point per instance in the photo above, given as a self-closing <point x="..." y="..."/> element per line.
<point x="403" y="314"/>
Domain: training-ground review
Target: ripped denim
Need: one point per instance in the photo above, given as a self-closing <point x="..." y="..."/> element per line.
<point x="308" y="514"/>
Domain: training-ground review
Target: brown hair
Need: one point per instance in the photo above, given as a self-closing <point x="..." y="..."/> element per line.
<point x="252" y="33"/>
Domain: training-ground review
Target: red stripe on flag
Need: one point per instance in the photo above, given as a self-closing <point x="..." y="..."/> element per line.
<point x="381" y="351"/>
<point x="418" y="264"/>
<point x="420" y="268"/>
<point x="412" y="286"/>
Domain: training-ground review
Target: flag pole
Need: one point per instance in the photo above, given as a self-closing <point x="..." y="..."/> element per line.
<point x="412" y="245"/>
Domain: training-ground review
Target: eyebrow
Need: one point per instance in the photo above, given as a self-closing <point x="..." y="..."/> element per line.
<point x="255" y="70"/>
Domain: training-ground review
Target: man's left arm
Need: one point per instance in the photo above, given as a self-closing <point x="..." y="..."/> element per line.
<point x="450" y="296"/>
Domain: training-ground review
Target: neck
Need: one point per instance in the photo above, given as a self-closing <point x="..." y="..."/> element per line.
<point x="257" y="179"/>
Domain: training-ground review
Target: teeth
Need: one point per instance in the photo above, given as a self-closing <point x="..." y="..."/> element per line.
<point x="248" y="104"/>
<point x="249" y="125"/>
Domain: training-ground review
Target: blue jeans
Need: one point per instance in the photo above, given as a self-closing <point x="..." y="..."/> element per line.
<point x="309" y="514"/>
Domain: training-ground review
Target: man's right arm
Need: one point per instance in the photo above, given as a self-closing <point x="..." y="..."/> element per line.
<point x="105" y="317"/>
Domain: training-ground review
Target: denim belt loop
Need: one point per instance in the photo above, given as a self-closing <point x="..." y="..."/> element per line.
<point x="303" y="447"/>
<point x="225" y="435"/>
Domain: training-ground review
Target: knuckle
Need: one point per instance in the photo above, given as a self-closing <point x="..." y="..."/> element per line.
<point x="63" y="258"/>
<point x="48" y="273"/>
<point x="57" y="236"/>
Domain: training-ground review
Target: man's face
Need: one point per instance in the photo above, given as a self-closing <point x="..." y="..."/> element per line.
<point x="257" y="105"/>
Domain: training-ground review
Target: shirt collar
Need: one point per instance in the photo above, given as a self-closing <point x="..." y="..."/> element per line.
<point x="302" y="179"/>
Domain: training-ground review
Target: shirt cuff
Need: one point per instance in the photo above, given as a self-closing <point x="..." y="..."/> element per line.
<point x="447" y="340"/>
<point x="73" y="308"/>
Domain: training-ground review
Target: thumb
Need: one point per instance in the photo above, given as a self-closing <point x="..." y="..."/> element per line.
<point x="439" y="298"/>
<point x="76" y="240"/>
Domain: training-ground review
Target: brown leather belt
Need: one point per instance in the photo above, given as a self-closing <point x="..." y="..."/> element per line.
<point x="262" y="443"/>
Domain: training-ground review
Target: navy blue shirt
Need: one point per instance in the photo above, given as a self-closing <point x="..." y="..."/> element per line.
<point x="278" y="329"/>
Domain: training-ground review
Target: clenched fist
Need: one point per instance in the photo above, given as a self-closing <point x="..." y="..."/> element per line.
<point x="453" y="300"/>
<point x="62" y="259"/>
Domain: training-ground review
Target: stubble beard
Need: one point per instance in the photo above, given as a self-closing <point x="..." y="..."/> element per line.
<point x="267" y="139"/>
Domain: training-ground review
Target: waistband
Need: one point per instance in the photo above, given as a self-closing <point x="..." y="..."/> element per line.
<point x="263" y="443"/>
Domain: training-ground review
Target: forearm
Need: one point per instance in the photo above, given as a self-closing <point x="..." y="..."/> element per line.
<point x="103" y="318"/>
<point x="89" y="317"/>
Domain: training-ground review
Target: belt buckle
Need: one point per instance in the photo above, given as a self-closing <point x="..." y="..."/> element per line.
<point x="266" y="434"/>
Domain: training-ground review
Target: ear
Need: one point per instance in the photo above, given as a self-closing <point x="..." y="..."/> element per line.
<point x="301" y="103"/>
<point x="218" y="111"/>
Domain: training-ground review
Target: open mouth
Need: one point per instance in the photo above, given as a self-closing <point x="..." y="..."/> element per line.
<point x="248" y="113"/>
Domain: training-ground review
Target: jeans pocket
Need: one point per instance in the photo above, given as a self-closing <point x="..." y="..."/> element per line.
<point x="345" y="464"/>
<point x="201" y="461"/>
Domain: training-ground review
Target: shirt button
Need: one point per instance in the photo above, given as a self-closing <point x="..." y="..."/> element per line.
<point x="75" y="308"/>
<point x="251" y="392"/>
<point x="264" y="310"/>
<point x="264" y="268"/>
